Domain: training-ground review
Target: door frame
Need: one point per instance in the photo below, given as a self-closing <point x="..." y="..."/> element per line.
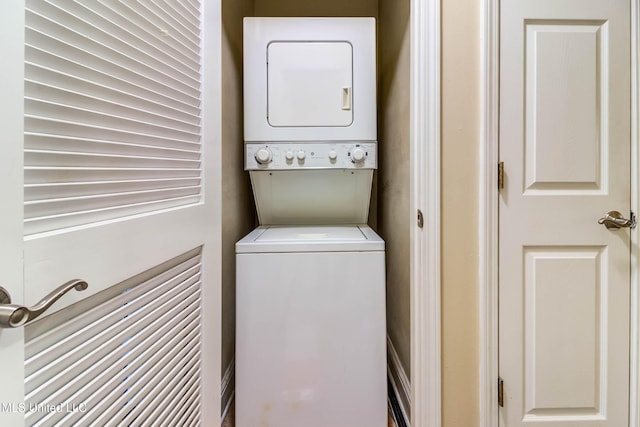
<point x="11" y="226"/>
<point x="425" y="276"/>
<point x="488" y="227"/>
<point x="211" y="350"/>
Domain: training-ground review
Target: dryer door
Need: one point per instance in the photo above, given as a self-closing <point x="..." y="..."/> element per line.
<point x="310" y="84"/>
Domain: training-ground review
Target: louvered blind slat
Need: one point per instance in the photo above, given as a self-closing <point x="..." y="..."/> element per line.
<point x="129" y="356"/>
<point x="106" y="390"/>
<point x="70" y="159"/>
<point x="94" y="93"/>
<point x="128" y="36"/>
<point x="101" y="59"/>
<point x="62" y="190"/>
<point x="97" y="146"/>
<point x="46" y="175"/>
<point x="139" y="26"/>
<point x="182" y="414"/>
<point x="42" y="99"/>
<point x="163" y="409"/>
<point x="98" y="346"/>
<point x="112" y="110"/>
<point x="161" y="397"/>
<point x="109" y="359"/>
<point x="72" y="69"/>
<point x="86" y="36"/>
<point x="112" y="400"/>
<point x="151" y="13"/>
<point x="59" y="128"/>
<point x="70" y="219"/>
<point x="164" y="280"/>
<point x="109" y="118"/>
<point x="88" y="205"/>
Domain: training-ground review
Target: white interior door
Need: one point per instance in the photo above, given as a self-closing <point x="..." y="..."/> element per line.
<point x="564" y="279"/>
<point x="106" y="119"/>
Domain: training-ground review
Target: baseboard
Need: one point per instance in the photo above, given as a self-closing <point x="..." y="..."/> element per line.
<point x="400" y="387"/>
<point x="228" y="388"/>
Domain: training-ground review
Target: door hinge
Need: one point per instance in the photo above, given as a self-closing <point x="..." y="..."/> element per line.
<point x="500" y="392"/>
<point x="500" y="175"/>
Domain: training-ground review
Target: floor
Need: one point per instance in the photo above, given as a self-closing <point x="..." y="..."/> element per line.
<point x="229" y="421"/>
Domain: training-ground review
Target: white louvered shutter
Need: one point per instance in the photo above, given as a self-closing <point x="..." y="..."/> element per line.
<point x="131" y="357"/>
<point x="112" y="110"/>
<point x="116" y="193"/>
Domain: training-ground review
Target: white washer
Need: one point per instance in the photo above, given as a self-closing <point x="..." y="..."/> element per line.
<point x="310" y="331"/>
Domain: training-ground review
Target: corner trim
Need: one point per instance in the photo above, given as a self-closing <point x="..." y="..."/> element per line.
<point x="400" y="384"/>
<point x="426" y="380"/>
<point x="227" y="389"/>
<point x="488" y="210"/>
<point x="634" y="339"/>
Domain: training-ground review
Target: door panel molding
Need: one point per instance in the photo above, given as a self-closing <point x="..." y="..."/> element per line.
<point x="488" y="227"/>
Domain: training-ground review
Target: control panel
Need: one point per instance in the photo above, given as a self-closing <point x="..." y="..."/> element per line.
<point x="320" y="155"/>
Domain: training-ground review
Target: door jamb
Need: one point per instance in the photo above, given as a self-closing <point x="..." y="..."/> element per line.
<point x="488" y="239"/>
<point x="426" y="386"/>
<point x="488" y="215"/>
<point x="634" y="343"/>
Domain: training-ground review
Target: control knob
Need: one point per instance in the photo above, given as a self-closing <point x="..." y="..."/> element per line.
<point x="263" y="155"/>
<point x="289" y="155"/>
<point x="301" y="155"/>
<point x="333" y="155"/>
<point x="358" y="155"/>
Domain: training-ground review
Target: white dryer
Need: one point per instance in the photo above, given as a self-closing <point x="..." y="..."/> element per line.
<point x="309" y="79"/>
<point x="310" y="331"/>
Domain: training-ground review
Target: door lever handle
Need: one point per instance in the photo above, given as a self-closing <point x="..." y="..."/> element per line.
<point x="614" y="220"/>
<point x="12" y="315"/>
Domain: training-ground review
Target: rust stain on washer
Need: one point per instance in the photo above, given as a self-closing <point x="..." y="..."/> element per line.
<point x="265" y="413"/>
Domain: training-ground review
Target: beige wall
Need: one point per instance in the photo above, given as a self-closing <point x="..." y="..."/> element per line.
<point x="461" y="112"/>
<point x="394" y="167"/>
<point x="238" y="212"/>
<point x="316" y="7"/>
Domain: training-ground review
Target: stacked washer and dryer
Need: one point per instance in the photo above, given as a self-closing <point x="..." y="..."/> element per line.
<point x="310" y="286"/>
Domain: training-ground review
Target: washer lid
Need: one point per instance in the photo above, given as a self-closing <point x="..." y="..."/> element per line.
<point x="327" y="238"/>
<point x="311" y="234"/>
